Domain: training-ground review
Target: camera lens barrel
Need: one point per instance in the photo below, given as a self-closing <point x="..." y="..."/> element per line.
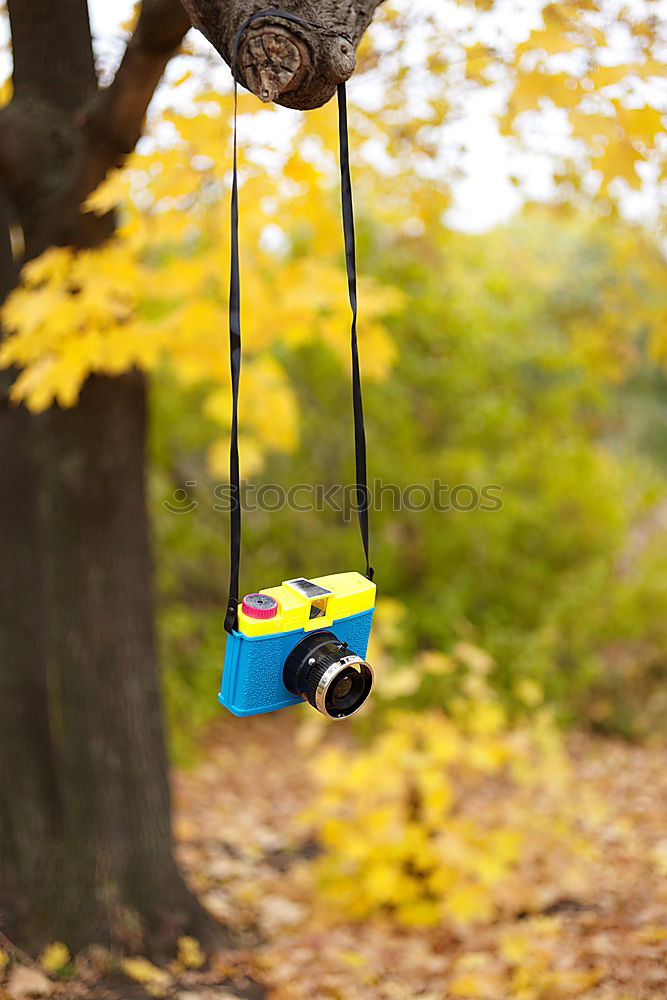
<point x="328" y="675"/>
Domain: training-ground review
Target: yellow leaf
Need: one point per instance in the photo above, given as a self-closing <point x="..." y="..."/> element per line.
<point x="478" y="59"/>
<point x="109" y="194"/>
<point x="471" y="984"/>
<point x="529" y="692"/>
<point x="6" y="92"/>
<point x="53" y="265"/>
<point x="641" y="123"/>
<point x="653" y="934"/>
<point x="54" y="957"/>
<point x="549" y="40"/>
<point x="190" y="954"/>
<point x="618" y="161"/>
<point x="422" y="913"/>
<point x="468" y="904"/>
<point x="532" y="87"/>
<point x="515" y="946"/>
<point x="35" y="385"/>
<point x="156" y="981"/>
<point x="604" y="76"/>
<point x="593" y="127"/>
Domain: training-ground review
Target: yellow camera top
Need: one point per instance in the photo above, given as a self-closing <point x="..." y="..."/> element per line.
<point x="305" y="604"/>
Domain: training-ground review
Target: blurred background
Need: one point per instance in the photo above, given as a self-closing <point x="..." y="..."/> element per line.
<point x="514" y="301"/>
<point x="481" y="821"/>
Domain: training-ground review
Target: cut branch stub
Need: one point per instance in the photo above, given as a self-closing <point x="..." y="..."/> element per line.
<point x="272" y="62"/>
<point x="293" y="64"/>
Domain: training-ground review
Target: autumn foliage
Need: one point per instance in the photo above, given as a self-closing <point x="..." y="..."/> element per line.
<point x="468" y="837"/>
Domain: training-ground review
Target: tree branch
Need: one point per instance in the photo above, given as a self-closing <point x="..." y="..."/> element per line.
<point x="53" y="151"/>
<point x="52" y="51"/>
<point x="114" y="121"/>
<point x="53" y="73"/>
<point x="280" y="61"/>
<point x="52" y="155"/>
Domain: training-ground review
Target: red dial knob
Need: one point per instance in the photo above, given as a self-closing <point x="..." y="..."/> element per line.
<point x="260" y="606"/>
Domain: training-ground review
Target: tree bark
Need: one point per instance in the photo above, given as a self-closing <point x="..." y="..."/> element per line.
<point x="116" y="851"/>
<point x="28" y="802"/>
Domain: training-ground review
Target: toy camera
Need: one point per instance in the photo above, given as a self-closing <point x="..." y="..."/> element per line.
<point x="303" y="641"/>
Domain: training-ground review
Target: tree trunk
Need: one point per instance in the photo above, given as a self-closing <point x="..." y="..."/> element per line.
<point x="27" y="786"/>
<point x="94" y="862"/>
<point x="116" y="837"/>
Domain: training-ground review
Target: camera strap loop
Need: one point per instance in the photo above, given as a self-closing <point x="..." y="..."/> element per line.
<point x="362" y="497"/>
<point x="362" y="494"/>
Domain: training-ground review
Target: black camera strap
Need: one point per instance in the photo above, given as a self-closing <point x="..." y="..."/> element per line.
<point x="362" y="494"/>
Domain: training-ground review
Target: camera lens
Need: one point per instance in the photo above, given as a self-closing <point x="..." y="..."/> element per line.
<point x="346" y="692"/>
<point x="329" y="675"/>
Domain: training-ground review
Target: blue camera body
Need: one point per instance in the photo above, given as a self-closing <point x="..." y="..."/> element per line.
<point x="273" y="622"/>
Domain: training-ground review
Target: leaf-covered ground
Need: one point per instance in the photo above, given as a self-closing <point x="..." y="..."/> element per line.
<point x="237" y="833"/>
<point x="246" y="850"/>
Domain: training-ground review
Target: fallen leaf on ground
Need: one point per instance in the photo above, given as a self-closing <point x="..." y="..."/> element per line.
<point x="54" y="957"/>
